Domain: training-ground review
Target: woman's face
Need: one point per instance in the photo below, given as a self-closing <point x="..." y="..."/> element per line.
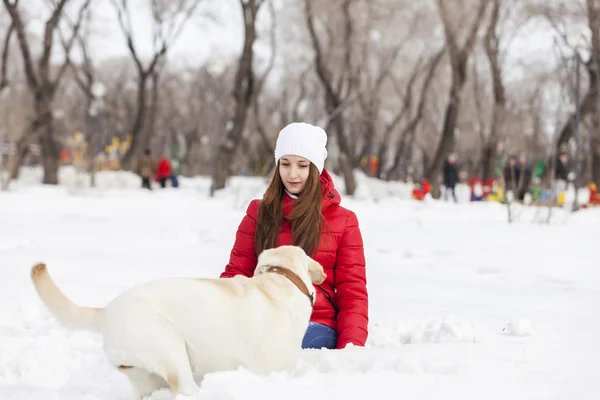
<point x="294" y="172"/>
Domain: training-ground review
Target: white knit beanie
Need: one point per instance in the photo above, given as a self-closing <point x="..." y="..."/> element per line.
<point x="304" y="140"/>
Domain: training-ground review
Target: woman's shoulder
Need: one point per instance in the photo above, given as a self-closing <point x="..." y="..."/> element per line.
<point x="341" y="216"/>
<point x="253" y="206"/>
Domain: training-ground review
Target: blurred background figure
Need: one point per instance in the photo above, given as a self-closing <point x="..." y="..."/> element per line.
<point x="561" y="172"/>
<point x="163" y="171"/>
<point x="146" y="169"/>
<point x="450" y="177"/>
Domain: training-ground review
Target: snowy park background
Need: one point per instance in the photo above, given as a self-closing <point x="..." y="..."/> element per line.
<point x="463" y="305"/>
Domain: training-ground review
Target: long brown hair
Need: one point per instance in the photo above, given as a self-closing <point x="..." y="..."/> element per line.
<point x="306" y="216"/>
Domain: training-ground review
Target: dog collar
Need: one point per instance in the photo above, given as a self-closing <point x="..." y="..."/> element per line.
<point x="295" y="280"/>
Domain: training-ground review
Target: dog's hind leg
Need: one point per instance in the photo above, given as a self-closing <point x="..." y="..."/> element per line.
<point x="173" y="365"/>
<point x="143" y="382"/>
<point x="155" y="345"/>
<point x="178" y="373"/>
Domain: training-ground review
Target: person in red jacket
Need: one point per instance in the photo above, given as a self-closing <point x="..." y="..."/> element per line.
<point x="302" y="207"/>
<point x="163" y="171"/>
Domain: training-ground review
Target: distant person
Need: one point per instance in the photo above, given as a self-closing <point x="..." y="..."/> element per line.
<point x="511" y="174"/>
<point x="175" y="171"/>
<point x="517" y="176"/>
<point x="525" y="178"/>
<point x="561" y="172"/>
<point x="163" y="171"/>
<point x="146" y="169"/>
<point x="450" y="177"/>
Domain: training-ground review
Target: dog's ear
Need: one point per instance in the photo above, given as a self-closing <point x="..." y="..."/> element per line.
<point x="315" y="271"/>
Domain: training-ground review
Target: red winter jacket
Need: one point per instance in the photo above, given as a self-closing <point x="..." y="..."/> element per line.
<point x="163" y="170"/>
<point x="342" y="302"/>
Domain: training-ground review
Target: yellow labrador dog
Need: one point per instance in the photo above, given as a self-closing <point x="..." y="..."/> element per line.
<point x="170" y="332"/>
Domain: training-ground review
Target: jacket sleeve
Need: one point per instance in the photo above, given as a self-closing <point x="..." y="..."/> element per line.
<point x="243" y="258"/>
<point x="351" y="285"/>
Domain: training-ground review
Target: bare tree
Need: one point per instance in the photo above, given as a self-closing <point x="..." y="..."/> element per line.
<point x="4" y="82"/>
<point x="257" y="103"/>
<point x="593" y="11"/>
<point x="406" y="138"/>
<point x="558" y="16"/>
<point x="5" y="54"/>
<point x="479" y="94"/>
<point x="168" y="20"/>
<point x="243" y="93"/>
<point x="371" y="79"/>
<point x="337" y="94"/>
<point x="492" y="45"/>
<point x="459" y="56"/>
<point x="375" y="78"/>
<point x="42" y="84"/>
<point x="86" y="78"/>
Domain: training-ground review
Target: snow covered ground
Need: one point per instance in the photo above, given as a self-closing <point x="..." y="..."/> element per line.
<point x="462" y="304"/>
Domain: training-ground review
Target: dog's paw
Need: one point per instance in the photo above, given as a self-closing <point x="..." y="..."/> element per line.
<point x="187" y="391"/>
<point x="161" y="394"/>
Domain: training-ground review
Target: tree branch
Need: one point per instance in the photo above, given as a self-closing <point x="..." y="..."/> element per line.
<point x="5" y="53"/>
<point x="44" y="62"/>
<point x="19" y="26"/>
<point x="68" y="44"/>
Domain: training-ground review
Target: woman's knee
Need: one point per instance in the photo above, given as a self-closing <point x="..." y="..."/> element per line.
<point x="319" y="336"/>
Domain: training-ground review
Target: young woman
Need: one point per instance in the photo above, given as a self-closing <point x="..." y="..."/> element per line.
<point x="302" y="207"/>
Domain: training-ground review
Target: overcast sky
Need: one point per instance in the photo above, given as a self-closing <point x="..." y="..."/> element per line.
<point x="201" y="36"/>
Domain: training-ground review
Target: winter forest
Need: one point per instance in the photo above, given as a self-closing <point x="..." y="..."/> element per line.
<point x="401" y="82"/>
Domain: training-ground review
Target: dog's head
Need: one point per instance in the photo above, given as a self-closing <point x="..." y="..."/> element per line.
<point x="294" y="259"/>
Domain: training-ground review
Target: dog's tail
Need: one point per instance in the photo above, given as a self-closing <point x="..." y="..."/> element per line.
<point x="60" y="306"/>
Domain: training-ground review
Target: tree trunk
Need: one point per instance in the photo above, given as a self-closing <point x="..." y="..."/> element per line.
<point x="595" y="154"/>
<point x="491" y="44"/>
<point x="345" y="157"/>
<point x="593" y="67"/>
<point x="243" y="93"/>
<point x="409" y="132"/>
<point x="150" y="129"/>
<point x="459" y="57"/>
<point x="15" y="165"/>
<point x="222" y="166"/>
<point x="335" y="95"/>
<point x="49" y="147"/>
<point x="138" y="123"/>
<point x="367" y="147"/>
<point x="50" y="155"/>
<point x="587" y="106"/>
<point x="448" y="139"/>
<point x="348" y="171"/>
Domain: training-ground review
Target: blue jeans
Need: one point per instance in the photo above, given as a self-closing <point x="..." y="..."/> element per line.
<point x="318" y="336"/>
